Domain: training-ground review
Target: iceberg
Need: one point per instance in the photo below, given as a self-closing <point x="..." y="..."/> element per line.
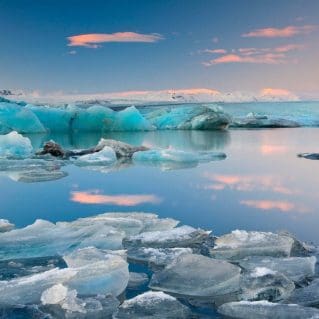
<point x="14" y="145"/>
<point x="5" y="225"/>
<point x="14" y="117"/>
<point x="297" y="269"/>
<point x="184" y="236"/>
<point x="311" y="156"/>
<point x="157" y="305"/>
<point x="266" y="310"/>
<point x="240" y="244"/>
<point x="192" y="117"/>
<point x="106" y="156"/>
<point x="198" y="276"/>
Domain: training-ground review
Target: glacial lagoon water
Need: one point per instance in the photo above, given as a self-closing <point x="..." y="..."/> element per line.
<point x="261" y="185"/>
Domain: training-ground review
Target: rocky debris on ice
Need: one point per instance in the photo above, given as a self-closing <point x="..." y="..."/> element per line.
<point x="198" y="276"/>
<point x="157" y="305"/>
<point x="240" y="244"/>
<point x="266" y="310"/>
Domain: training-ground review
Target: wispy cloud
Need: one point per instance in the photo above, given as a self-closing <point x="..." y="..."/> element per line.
<point x="283" y="206"/>
<point x="93" y="40"/>
<point x="276" y="55"/>
<point x="93" y="197"/>
<point x="285" y="32"/>
<point x="275" y="92"/>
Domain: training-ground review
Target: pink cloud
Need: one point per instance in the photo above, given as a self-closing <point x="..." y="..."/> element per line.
<point x="285" y="32"/>
<point x="93" y="197"/>
<point x="248" y="183"/>
<point x="93" y="40"/>
<point x="283" y="206"/>
<point x="275" y="92"/>
<point x="276" y="55"/>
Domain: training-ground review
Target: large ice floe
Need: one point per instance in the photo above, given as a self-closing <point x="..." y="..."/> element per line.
<point x="80" y="269"/>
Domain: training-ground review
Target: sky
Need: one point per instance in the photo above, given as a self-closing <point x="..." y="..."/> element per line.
<point x="111" y="46"/>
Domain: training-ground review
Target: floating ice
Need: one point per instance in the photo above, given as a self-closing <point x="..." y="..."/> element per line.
<point x="240" y="244"/>
<point x="157" y="305"/>
<point x="14" y="145"/>
<point x="5" y="225"/>
<point x="106" y="156"/>
<point x="47" y="239"/>
<point x="32" y="170"/>
<point x="54" y="294"/>
<point x="198" y="276"/>
<point x="262" y="121"/>
<point x="297" y="269"/>
<point x="311" y="156"/>
<point x="172" y="159"/>
<point x="266" y="310"/>
<point x="183" y="236"/>
<point x="159" y="257"/>
<point x="265" y="284"/>
<point x="306" y="296"/>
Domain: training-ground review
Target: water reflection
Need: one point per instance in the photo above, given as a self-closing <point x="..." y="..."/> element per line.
<point x="95" y="197"/>
<point x="185" y="140"/>
<point x="249" y="183"/>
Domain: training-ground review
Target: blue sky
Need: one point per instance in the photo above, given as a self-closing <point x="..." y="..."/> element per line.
<point x="226" y="45"/>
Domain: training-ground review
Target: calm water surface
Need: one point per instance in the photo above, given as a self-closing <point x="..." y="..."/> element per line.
<point x="262" y="185"/>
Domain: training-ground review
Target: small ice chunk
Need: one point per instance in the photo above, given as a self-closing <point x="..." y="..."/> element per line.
<point x="28" y="289"/>
<point x="106" y="156"/>
<point x="137" y="279"/>
<point x="54" y="294"/>
<point x="150" y="221"/>
<point x="265" y="284"/>
<point x="97" y="272"/>
<point x="198" y="276"/>
<point x="266" y="310"/>
<point x="295" y="268"/>
<point x="183" y="236"/>
<point x="14" y="145"/>
<point x="157" y="305"/>
<point x="240" y="244"/>
<point x="158" y="257"/>
<point x="306" y="296"/>
<point x="5" y="225"/>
